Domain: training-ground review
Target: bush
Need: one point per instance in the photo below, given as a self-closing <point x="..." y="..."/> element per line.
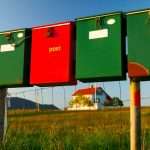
<point x="81" y="100"/>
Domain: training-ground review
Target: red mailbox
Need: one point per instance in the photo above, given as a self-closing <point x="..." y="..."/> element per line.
<point x="52" y="54"/>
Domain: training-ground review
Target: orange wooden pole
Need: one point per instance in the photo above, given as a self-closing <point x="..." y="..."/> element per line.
<point x="135" y="115"/>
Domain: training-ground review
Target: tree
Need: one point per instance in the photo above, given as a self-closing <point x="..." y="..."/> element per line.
<point x="81" y="101"/>
<point x="117" y="101"/>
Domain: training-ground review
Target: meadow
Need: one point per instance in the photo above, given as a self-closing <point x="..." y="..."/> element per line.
<point x="106" y="129"/>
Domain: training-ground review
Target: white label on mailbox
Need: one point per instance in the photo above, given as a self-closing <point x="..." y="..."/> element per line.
<point x="7" y="47"/>
<point x="103" y="33"/>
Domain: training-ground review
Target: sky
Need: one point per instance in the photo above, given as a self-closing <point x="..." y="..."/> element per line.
<point x="29" y="13"/>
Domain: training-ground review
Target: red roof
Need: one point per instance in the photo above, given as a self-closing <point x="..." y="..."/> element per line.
<point x="86" y="91"/>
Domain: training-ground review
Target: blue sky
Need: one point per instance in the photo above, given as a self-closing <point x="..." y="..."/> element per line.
<point x="28" y="13"/>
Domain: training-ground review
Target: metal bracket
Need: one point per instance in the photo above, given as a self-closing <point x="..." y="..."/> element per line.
<point x="50" y="32"/>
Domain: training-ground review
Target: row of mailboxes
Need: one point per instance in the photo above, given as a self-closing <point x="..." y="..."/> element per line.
<point x="89" y="49"/>
<point x="39" y="56"/>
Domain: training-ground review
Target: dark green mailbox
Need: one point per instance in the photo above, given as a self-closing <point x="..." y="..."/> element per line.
<point x="100" y="53"/>
<point x="14" y="57"/>
<point x="138" y="31"/>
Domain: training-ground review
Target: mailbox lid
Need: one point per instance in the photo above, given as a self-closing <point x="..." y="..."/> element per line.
<point x="52" y="56"/>
<point x="100" y="53"/>
<point x="15" y="57"/>
<point x="138" y="30"/>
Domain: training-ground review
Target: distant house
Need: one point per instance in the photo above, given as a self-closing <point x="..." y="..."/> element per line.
<point x="97" y="96"/>
<point x="22" y="103"/>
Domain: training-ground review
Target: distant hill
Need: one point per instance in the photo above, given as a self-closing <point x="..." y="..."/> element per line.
<point x="22" y="103"/>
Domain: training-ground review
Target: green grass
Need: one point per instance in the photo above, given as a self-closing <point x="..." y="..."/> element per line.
<point x="56" y="130"/>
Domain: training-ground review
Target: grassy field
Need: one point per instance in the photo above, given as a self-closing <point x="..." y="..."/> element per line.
<point x="95" y="130"/>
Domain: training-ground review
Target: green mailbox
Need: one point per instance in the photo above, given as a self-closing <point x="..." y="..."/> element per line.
<point x="14" y="57"/>
<point x="138" y="31"/>
<point x="100" y="48"/>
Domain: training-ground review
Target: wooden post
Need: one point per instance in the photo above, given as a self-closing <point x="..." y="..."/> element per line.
<point x="3" y="113"/>
<point x="64" y="97"/>
<point x="135" y="115"/>
<point x="52" y="96"/>
<point x="95" y="94"/>
<point x="41" y="96"/>
<point x="37" y="100"/>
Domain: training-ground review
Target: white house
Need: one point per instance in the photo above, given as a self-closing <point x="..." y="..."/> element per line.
<point x="97" y="95"/>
